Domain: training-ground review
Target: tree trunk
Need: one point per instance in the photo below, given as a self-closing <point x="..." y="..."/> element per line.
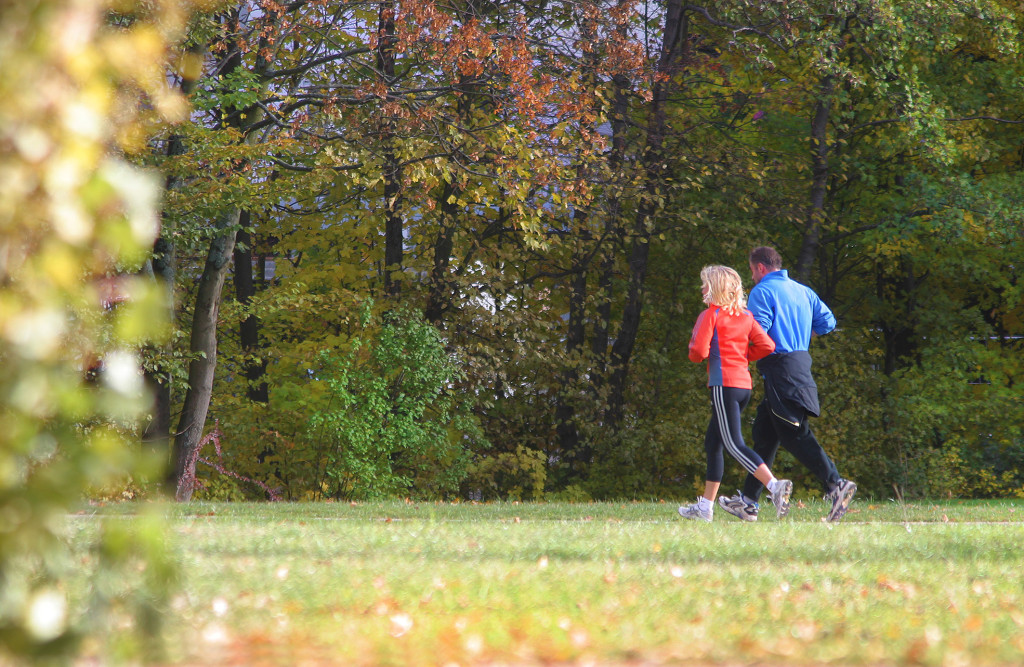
<point x="565" y="411"/>
<point x="819" y="180"/>
<point x="578" y="457"/>
<point x="157" y="434"/>
<point x="676" y="28"/>
<point x="612" y="233"/>
<point x="204" y="352"/>
<point x="440" y="290"/>
<point x="249" y="330"/>
<point x="164" y="265"/>
<point x="203" y="342"/>
<point x="394" y="237"/>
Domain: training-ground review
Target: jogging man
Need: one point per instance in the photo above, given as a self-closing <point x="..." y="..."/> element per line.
<point x="790" y="313"/>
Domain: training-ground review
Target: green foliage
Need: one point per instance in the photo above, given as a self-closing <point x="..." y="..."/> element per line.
<point x="394" y="423"/>
<point x="518" y="225"/>
<point x="518" y="475"/>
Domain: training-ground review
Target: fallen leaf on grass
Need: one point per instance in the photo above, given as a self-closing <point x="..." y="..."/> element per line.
<point x="909" y="590"/>
<point x="916" y="651"/>
<point x="805" y="630"/>
<point x="400" y="624"/>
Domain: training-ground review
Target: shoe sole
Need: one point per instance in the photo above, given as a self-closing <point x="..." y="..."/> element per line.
<point x="843" y="504"/>
<point x="782" y="507"/>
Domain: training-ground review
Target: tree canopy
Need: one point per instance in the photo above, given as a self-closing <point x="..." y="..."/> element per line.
<point x="539" y="183"/>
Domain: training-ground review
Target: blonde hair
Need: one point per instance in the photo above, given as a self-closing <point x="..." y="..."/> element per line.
<point x="724" y="288"/>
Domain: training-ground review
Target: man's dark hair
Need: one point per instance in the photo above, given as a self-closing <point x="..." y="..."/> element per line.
<point x="766" y="255"/>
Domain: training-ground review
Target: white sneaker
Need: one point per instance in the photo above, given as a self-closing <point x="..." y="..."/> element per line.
<point x="783" y="490"/>
<point x="695" y="512"/>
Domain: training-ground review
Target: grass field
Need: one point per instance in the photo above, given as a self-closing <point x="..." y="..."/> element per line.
<point x="933" y="583"/>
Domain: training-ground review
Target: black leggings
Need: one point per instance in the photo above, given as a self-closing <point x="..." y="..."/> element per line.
<point x="724" y="431"/>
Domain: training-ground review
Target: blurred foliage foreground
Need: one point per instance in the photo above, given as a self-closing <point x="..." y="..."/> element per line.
<point x="72" y="216"/>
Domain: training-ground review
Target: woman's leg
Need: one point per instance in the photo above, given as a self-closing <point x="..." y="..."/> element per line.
<point x="715" y="457"/>
<point x="731" y="402"/>
<point x="704" y="508"/>
<point x="726" y="405"/>
<point x="711" y="490"/>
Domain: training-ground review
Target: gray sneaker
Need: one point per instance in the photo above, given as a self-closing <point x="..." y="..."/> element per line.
<point x="739" y="507"/>
<point x="694" y="512"/>
<point x="840" y="497"/>
<point x="781" y="497"/>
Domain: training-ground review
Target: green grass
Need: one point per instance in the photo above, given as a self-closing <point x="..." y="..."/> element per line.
<point x="934" y="583"/>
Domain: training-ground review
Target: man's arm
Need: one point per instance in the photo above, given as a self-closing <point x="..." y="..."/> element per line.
<point x="822" y="319"/>
<point x="761" y="344"/>
<point x="760" y="308"/>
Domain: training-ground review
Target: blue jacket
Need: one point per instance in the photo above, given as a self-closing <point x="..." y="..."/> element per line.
<point x="789" y="311"/>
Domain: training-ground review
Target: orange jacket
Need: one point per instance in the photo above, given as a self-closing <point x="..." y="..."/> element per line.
<point x="729" y="343"/>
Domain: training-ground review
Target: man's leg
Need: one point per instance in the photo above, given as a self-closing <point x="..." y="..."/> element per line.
<point x="801" y="443"/>
<point x="804" y="446"/>
<point x="766" y="445"/>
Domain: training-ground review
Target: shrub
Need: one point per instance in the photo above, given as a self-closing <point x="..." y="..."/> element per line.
<point x="394" y="422"/>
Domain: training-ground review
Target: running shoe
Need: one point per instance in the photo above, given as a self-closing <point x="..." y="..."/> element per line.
<point x="840" y="497"/>
<point x="780" y="498"/>
<point x="695" y="512"/>
<point x="739" y="507"/>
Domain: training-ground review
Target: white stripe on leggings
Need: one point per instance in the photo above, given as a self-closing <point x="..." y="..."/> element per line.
<point x="718" y="406"/>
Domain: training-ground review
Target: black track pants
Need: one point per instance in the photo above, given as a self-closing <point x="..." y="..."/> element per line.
<point x="770" y="432"/>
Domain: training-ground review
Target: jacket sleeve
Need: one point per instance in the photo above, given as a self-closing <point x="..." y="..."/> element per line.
<point x="761" y="344"/>
<point x="822" y="319"/>
<point x="759" y="306"/>
<point x="700" y="339"/>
